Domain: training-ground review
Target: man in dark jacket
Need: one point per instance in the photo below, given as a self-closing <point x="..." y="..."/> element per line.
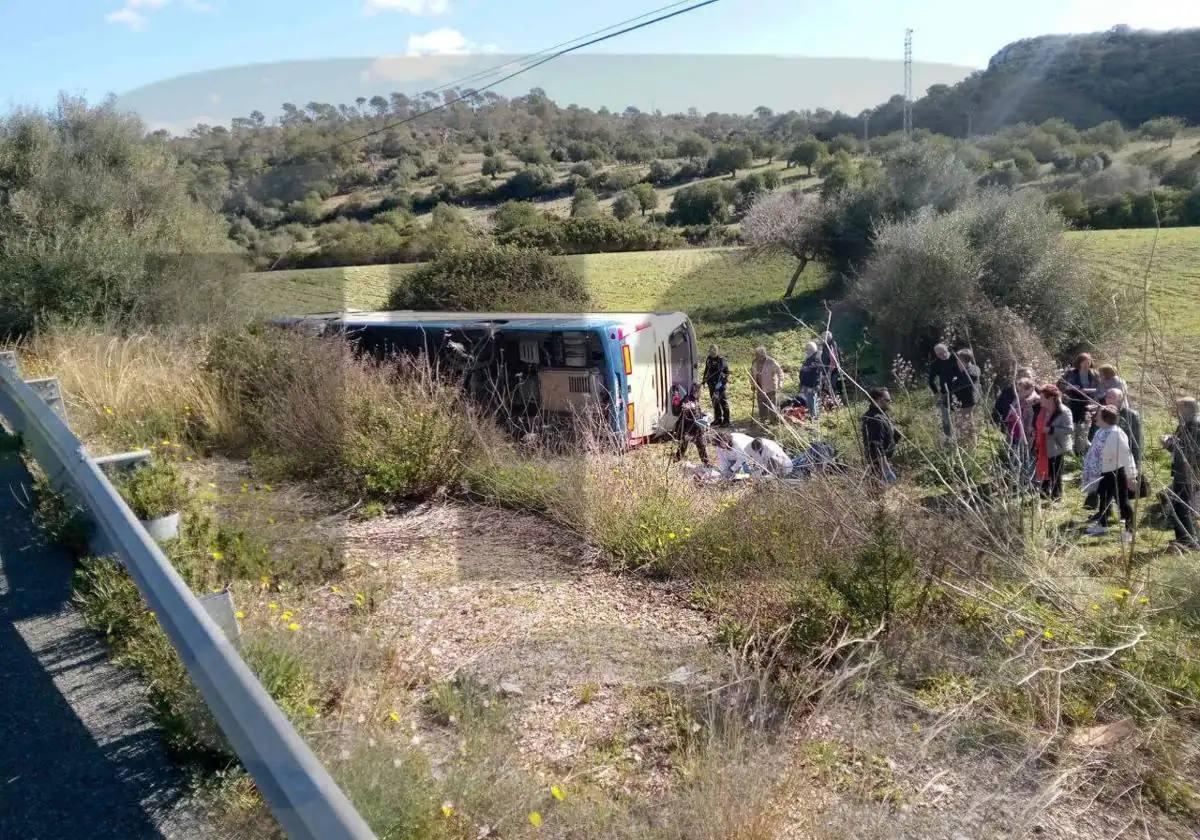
<point x="946" y="378"/>
<point x="716" y="377"/>
<point x="1184" y="447"/>
<point x="879" y="435"/>
<point x="689" y="427"/>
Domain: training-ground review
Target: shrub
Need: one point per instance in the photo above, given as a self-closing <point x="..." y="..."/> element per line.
<point x="598" y="234"/>
<point x="384" y="430"/>
<point x="700" y="204"/>
<point x="530" y="182"/>
<point x="492" y="277"/>
<point x="97" y="224"/>
<point x="624" y="206"/>
<point x="995" y="262"/>
<point x="512" y="215"/>
<point x="154" y="490"/>
<point x="584" y="204"/>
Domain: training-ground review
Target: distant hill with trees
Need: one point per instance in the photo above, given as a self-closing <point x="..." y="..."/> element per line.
<point x="1123" y="74"/>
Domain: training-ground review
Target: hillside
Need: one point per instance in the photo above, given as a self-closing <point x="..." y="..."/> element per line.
<point x="1125" y="75"/>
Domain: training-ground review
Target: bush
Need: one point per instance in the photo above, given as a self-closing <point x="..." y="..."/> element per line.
<point x="97" y="224"/>
<point x="624" y="206"/>
<point x="154" y="490"/>
<point x="512" y="215"/>
<point x="996" y="262"/>
<point x="598" y="234"/>
<point x="530" y="182"/>
<point x="492" y="277"/>
<point x="385" y="431"/>
<point x="584" y="204"/>
<point x="700" y="204"/>
<point x="729" y="158"/>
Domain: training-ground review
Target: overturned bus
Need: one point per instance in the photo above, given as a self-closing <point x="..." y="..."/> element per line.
<point x="543" y="370"/>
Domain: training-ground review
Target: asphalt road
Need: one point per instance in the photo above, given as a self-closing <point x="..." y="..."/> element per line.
<point x="79" y="754"/>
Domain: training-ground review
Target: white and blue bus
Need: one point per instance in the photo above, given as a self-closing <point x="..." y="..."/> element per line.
<point x="531" y="366"/>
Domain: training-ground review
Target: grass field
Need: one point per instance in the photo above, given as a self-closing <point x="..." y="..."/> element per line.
<point x="1170" y="269"/>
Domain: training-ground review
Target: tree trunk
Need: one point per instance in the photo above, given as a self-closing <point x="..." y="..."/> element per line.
<point x="795" y="277"/>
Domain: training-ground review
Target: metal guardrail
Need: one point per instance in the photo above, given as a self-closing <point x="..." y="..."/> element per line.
<point x="299" y="791"/>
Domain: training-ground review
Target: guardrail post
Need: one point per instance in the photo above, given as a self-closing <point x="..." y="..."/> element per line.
<point x="51" y="393"/>
<point x="122" y="461"/>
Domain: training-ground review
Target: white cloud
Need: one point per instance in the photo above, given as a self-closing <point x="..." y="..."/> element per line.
<point x="127" y="16"/>
<point x="134" y="13"/>
<point x="412" y="7"/>
<point x="444" y="41"/>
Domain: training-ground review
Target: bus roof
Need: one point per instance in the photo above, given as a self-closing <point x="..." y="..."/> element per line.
<point x="511" y="320"/>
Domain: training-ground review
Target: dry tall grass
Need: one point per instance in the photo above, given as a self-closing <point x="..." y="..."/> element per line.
<point x="130" y="390"/>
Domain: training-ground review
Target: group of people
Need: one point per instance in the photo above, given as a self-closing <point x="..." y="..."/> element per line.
<point x="1088" y="413"/>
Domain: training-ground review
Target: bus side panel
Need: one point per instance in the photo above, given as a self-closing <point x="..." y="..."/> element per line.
<point x="644" y="383"/>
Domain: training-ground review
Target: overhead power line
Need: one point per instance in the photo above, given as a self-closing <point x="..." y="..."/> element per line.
<point x="483" y="74"/>
<point x="550" y="55"/>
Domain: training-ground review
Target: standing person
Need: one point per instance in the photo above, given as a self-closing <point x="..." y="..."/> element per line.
<point x="689" y="428"/>
<point x="831" y="361"/>
<point x="811" y="374"/>
<point x="1007" y="396"/>
<point x="1184" y="495"/>
<point x="1018" y="426"/>
<point x="967" y="394"/>
<point x="879" y="435"/>
<point x="946" y="377"/>
<point x="1051" y="441"/>
<point x="733" y="452"/>
<point x="1110" y="381"/>
<point x="1110" y="471"/>
<point x="1081" y="386"/>
<point x="1128" y="421"/>
<point x="716" y="377"/>
<point x="766" y="376"/>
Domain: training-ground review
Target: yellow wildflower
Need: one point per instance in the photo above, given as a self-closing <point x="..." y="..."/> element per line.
<point x="293" y="627"/>
<point x="272" y="606"/>
<point x="535" y="819"/>
<point x="394" y="716"/>
<point x="239" y="614"/>
<point x="447" y="809"/>
<point x="217" y="555"/>
<point x="1019" y="633"/>
<point x="558" y="793"/>
<point x="1047" y="634"/>
<point x="108" y="410"/>
<point x="335" y="589"/>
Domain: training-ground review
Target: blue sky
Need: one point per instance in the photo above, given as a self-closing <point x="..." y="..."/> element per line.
<point x="94" y="47"/>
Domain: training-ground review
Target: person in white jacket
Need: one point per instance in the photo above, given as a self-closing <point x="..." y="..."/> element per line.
<point x="733" y="452"/>
<point x="1109" y="469"/>
<point x="770" y="457"/>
